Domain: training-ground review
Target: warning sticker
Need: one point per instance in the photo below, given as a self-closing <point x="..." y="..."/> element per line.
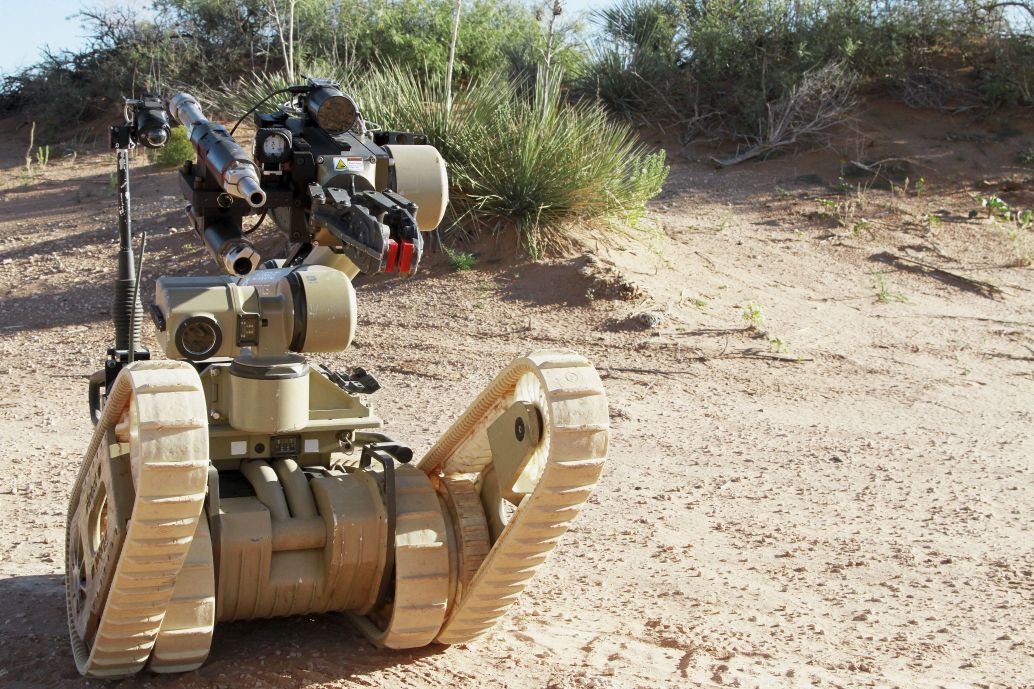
<point x="348" y="164"/>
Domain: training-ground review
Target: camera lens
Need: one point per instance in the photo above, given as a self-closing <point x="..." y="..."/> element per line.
<point x="198" y="338"/>
<point x="156" y="138"/>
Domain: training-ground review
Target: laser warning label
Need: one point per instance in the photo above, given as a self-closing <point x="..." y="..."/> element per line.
<point x="348" y="164"/>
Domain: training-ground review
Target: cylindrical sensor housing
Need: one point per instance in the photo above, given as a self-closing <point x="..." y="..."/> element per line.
<point x="323" y="305"/>
<point x="269" y="396"/>
<point x="332" y="109"/>
<point x="419" y="174"/>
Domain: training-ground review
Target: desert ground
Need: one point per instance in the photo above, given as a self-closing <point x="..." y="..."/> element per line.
<point x="821" y="391"/>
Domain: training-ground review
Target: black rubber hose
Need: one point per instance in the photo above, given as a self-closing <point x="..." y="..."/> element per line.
<point x="127" y="316"/>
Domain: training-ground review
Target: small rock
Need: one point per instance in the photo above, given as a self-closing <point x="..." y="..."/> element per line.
<point x="649" y="319"/>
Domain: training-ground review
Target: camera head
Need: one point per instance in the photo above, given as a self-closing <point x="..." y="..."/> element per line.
<point x="147" y="124"/>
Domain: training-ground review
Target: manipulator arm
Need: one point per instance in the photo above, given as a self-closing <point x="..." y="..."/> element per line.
<point x="377" y="231"/>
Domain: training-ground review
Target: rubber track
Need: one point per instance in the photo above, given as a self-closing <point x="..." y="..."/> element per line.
<point x="575" y="439"/>
<point x="186" y="632"/>
<point x="169" y="454"/>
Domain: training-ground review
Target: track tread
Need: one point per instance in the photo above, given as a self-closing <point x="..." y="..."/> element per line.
<point x="160" y="532"/>
<point x="577" y="424"/>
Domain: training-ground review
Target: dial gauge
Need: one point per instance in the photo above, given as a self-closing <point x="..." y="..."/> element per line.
<point x="273" y="145"/>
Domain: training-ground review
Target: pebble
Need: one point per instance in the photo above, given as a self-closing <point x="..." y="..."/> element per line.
<point x="649" y="319"/>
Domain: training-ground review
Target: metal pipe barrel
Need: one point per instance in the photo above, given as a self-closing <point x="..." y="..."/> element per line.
<point x="223" y="157"/>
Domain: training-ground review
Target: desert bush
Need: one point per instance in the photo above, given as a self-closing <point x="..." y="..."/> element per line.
<point x="727" y="62"/>
<point x="634" y="66"/>
<point x="820" y="100"/>
<point x="176" y="150"/>
<point x="67" y="88"/>
<point x="202" y="44"/>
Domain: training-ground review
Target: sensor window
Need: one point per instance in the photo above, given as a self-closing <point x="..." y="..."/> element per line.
<point x="198" y="338"/>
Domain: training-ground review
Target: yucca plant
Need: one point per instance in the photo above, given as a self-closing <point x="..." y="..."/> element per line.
<point x="554" y="167"/>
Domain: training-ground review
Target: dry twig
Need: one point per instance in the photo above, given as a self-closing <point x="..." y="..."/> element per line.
<point x="821" y="99"/>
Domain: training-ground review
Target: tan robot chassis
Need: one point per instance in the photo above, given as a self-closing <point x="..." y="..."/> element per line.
<point x="234" y="480"/>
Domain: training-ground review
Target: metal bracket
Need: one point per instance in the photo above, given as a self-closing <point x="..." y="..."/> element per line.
<point x="513" y="437"/>
<point x="375" y="452"/>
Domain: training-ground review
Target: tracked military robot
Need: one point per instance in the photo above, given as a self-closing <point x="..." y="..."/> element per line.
<point x="235" y="480"/>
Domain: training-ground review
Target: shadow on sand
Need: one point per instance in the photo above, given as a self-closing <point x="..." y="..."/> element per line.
<point x="307" y="649"/>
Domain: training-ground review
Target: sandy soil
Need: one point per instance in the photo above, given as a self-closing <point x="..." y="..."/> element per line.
<point x="821" y="464"/>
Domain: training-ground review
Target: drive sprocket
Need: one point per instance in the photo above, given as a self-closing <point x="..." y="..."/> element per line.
<point x="417" y="607"/>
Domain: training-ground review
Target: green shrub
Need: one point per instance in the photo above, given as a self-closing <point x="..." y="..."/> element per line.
<point x="634" y="66"/>
<point x="176" y="150"/>
<point x="723" y="63"/>
<point x="200" y="44"/>
<point x="461" y="260"/>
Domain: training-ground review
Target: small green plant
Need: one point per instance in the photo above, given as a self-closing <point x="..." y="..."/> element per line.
<point x="933" y="220"/>
<point x="460" y="260"/>
<point x="994" y="206"/>
<point x="176" y="150"/>
<point x="885" y="292"/>
<point x="844" y="213"/>
<point x="752" y="316"/>
<point x="776" y="344"/>
<point x="827" y="207"/>
<point x="920" y="186"/>
<point x="1026" y="156"/>
<point x="43" y="156"/>
<point x="112" y="183"/>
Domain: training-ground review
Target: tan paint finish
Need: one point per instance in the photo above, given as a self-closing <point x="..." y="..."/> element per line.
<point x="420" y="176"/>
<point x="129" y="577"/>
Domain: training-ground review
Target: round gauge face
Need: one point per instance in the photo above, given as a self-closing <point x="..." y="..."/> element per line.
<point x="198" y="338"/>
<point x="274" y="146"/>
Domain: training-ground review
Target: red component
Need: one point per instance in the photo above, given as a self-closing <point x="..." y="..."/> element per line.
<point x="393" y="252"/>
<point x="406" y="259"/>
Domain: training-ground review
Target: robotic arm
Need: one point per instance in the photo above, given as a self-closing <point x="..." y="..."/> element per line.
<point x="326" y="180"/>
